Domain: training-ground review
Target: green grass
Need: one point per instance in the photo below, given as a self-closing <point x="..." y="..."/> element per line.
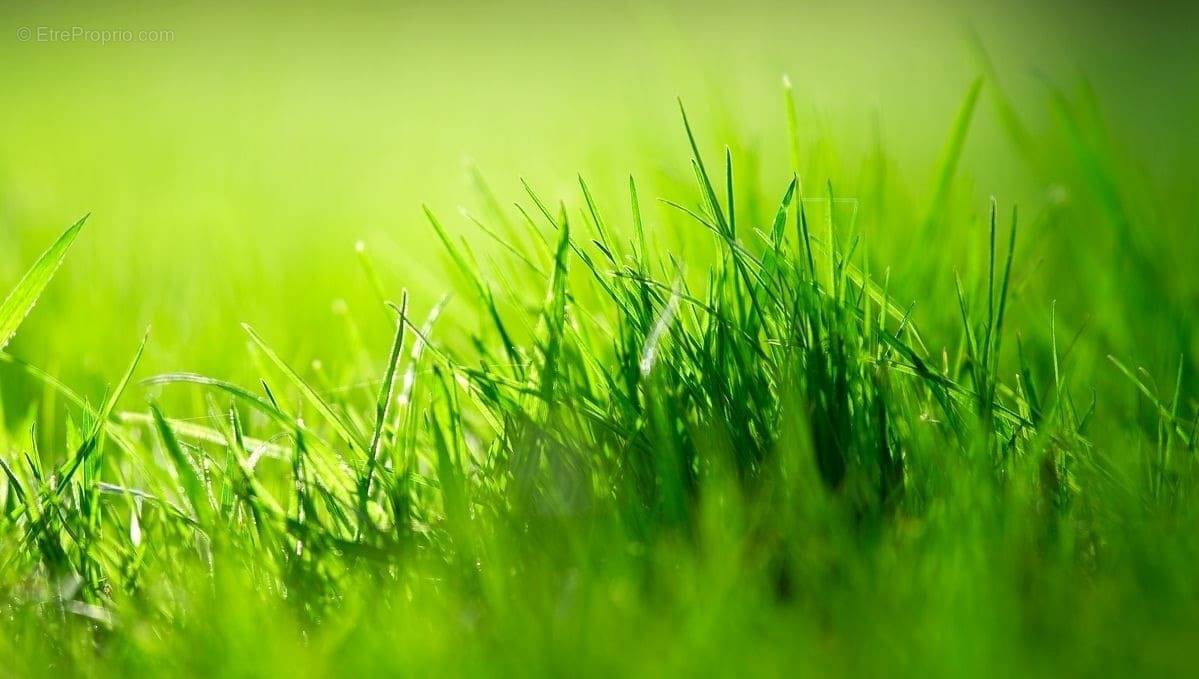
<point x="777" y="420"/>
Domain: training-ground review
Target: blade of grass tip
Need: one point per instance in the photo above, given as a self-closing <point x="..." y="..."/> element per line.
<point x="638" y="226"/>
<point x="702" y="219"/>
<point x="510" y="247"/>
<point x="418" y="348"/>
<point x="455" y="253"/>
<point x="562" y="215"/>
<point x="701" y="172"/>
<point x="270" y="395"/>
<point x="1173" y="415"/>
<point x="383" y="403"/>
<point x="593" y="209"/>
<point x="545" y="211"/>
<point x="13" y="482"/>
<point x="21" y="300"/>
<point x="990" y="285"/>
<point x="967" y="328"/>
<point x="1003" y="290"/>
<point x="805" y="236"/>
<point x="867" y="316"/>
<point x="885" y="304"/>
<point x="778" y="227"/>
<point x="193" y="489"/>
<point x="555" y="317"/>
<point x="310" y="394"/>
<point x="34" y="460"/>
<point x="423" y="339"/>
<point x="92" y="440"/>
<point x="1030" y="387"/>
<point x="481" y="289"/>
<point x="1057" y="374"/>
<point x="1144" y="388"/>
<point x="1164" y="411"/>
<point x="775" y="257"/>
<point x="728" y="191"/>
<point x="953" y="150"/>
<point x="831" y="243"/>
<point x="537" y="236"/>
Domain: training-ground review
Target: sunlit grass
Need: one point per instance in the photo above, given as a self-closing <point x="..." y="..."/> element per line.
<point x="759" y="453"/>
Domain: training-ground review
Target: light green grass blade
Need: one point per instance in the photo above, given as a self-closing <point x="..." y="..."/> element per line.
<point x="199" y="433"/>
<point x="1167" y="413"/>
<point x="21" y="300"/>
<point x="555" y="317"/>
<point x="953" y="151"/>
<point x="92" y="442"/>
<point x="234" y="390"/>
<point x="193" y="488"/>
<point x="1004" y="106"/>
<point x="310" y="393"/>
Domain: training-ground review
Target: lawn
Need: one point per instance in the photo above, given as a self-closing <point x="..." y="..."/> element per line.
<point x="559" y="340"/>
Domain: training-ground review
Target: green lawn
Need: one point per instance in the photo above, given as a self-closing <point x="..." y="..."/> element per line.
<point x="449" y="341"/>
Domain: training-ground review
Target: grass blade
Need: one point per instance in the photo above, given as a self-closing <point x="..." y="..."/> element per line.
<point x="383" y="404"/>
<point x="24" y="296"/>
<point x="310" y="394"/>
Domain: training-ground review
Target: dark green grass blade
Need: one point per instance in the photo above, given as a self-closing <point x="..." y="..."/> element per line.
<point x="383" y="403"/>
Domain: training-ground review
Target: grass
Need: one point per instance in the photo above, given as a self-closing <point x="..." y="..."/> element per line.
<point x="761" y="455"/>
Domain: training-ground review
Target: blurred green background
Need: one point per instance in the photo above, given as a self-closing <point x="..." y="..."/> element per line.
<point x="231" y="169"/>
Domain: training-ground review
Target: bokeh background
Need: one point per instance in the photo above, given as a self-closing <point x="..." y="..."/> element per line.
<point x="231" y="169"/>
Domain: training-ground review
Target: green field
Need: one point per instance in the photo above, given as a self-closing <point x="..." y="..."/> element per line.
<point x="651" y="339"/>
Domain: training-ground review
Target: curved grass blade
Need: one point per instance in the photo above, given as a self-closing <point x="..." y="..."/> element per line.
<point x="257" y="402"/>
<point x="21" y="300"/>
<point x="322" y="406"/>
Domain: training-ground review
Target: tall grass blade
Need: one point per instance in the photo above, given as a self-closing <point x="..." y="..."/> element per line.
<point x="24" y="296"/>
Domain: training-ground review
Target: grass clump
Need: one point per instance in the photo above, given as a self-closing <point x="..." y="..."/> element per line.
<point x="755" y="458"/>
